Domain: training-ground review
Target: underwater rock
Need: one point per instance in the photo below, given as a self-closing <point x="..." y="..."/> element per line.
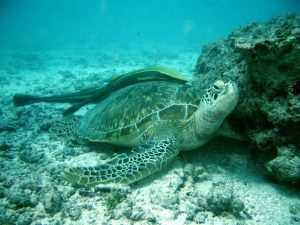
<point x="9" y="126"/>
<point x="8" y="216"/>
<point x="31" y="184"/>
<point x="200" y="218"/>
<point x="196" y="173"/>
<point x="114" y="198"/>
<point x="2" y="192"/>
<point x="22" y="199"/>
<point x="31" y="155"/>
<point x="86" y="192"/>
<point x="295" y="211"/>
<point x="52" y="201"/>
<point x="72" y="211"/>
<point x="4" y="146"/>
<point x="25" y="218"/>
<point x="264" y="61"/>
<point x="189" y="170"/>
<point x="191" y="210"/>
<point x="2" y="177"/>
<point x="67" y="191"/>
<point x="165" y="200"/>
<point x="137" y="214"/>
<point x="122" y="209"/>
<point x="8" y="181"/>
<point x="222" y="200"/>
<point x="286" y="166"/>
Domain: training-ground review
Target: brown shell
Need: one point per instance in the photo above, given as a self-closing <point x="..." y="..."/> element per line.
<point x="128" y="111"/>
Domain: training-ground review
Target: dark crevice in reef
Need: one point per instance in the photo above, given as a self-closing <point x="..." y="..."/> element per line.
<point x="296" y="88"/>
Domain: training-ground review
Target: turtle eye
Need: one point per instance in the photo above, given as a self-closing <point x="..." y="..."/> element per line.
<point x="218" y="87"/>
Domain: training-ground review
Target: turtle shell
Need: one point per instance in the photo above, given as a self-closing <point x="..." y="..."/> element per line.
<point x="125" y="114"/>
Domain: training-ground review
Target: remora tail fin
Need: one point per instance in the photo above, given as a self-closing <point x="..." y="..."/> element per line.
<point x="22" y="100"/>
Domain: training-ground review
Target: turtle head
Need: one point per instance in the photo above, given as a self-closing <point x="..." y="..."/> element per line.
<point x="219" y="99"/>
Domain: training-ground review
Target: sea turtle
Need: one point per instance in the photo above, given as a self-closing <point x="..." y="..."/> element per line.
<point x="97" y="93"/>
<point x="157" y="119"/>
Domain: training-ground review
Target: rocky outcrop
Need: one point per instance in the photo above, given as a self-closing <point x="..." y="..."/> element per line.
<point x="264" y="60"/>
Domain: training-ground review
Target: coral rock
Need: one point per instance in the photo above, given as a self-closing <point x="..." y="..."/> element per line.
<point x="264" y="60"/>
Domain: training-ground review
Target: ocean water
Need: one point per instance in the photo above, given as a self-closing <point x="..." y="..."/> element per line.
<point x="99" y="23"/>
<point x="57" y="47"/>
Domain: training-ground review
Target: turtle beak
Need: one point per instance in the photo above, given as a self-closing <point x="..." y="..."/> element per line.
<point x="227" y="88"/>
<point x="230" y="88"/>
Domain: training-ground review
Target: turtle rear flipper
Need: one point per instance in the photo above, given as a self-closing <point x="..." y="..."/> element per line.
<point x="128" y="167"/>
<point x="67" y="127"/>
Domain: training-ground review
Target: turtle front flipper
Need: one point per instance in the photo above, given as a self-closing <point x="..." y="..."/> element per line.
<point x="128" y="167"/>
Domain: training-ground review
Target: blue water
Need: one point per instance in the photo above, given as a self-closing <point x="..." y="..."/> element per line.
<point x="129" y="22"/>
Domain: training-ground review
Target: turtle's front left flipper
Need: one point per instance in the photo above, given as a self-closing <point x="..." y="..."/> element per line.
<point x="128" y="167"/>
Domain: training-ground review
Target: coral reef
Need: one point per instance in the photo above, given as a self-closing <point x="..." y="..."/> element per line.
<point x="222" y="200"/>
<point x="264" y="59"/>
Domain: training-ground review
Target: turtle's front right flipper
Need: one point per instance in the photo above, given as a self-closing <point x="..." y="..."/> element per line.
<point x="128" y="167"/>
